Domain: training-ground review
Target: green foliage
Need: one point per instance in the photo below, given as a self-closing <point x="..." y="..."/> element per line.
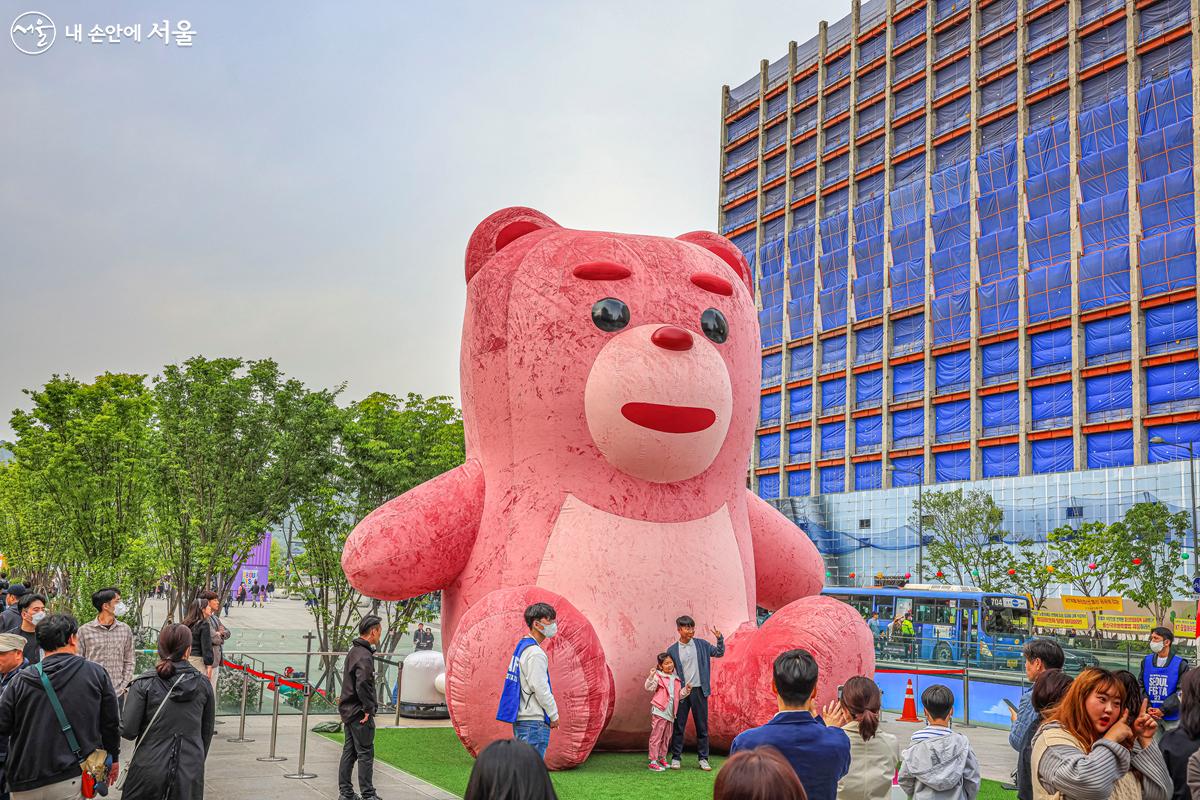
<point x="1154" y="536"/>
<point x="965" y="530"/>
<point x="1074" y="551"/>
<point x="1030" y="573"/>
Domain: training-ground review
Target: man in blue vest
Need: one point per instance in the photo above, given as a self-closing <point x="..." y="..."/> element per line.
<point x="691" y="657"/>
<point x="527" y="700"/>
<point x="1161" y="674"/>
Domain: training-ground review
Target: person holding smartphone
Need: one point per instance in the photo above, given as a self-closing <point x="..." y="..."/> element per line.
<point x="1040" y="655"/>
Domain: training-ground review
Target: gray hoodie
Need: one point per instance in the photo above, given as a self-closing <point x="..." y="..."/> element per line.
<point x="944" y="768"/>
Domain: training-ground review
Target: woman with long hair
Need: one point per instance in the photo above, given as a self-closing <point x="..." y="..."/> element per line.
<point x="1088" y="750"/>
<point x="761" y="773"/>
<point x="170" y="711"/>
<point x="1048" y="690"/>
<point x="874" y="754"/>
<point x="202" y="657"/>
<point x="509" y="769"/>
<point x="1179" y="745"/>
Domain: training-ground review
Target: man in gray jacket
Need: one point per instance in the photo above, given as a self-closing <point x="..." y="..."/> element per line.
<point x="939" y="765"/>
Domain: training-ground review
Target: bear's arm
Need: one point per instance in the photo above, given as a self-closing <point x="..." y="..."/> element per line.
<point x="418" y="542"/>
<point x="787" y="565"/>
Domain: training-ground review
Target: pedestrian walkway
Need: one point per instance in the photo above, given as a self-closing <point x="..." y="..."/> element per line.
<point x="234" y="773"/>
<point x="996" y="759"/>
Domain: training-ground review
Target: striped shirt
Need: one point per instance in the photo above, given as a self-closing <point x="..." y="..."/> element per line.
<point x="110" y="646"/>
<point x="930" y="732"/>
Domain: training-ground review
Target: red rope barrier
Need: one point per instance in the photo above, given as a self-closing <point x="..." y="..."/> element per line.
<point x="921" y="671"/>
<point x="275" y="679"/>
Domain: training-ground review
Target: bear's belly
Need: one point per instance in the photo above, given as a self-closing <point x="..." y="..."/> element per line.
<point x="632" y="579"/>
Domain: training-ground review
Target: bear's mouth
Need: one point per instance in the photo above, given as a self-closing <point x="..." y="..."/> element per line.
<point x="669" y="419"/>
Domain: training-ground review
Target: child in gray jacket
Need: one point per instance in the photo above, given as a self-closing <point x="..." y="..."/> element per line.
<point x="939" y="764"/>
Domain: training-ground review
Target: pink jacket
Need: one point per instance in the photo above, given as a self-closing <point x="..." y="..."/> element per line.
<point x="659" y="683"/>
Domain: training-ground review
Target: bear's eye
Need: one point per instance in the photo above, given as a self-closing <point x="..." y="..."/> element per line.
<point x="610" y="314"/>
<point x="712" y="322"/>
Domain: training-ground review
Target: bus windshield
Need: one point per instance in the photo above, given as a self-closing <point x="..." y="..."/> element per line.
<point x="1008" y="621"/>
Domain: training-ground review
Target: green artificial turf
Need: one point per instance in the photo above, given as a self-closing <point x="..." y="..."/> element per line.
<point x="436" y="756"/>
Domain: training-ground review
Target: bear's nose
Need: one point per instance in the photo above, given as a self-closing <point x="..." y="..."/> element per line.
<point x="668" y="337"/>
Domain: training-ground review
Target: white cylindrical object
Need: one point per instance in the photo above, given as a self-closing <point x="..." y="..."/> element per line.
<point x="423" y="685"/>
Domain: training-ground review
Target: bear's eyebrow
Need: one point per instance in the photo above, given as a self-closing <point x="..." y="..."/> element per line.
<point x="602" y="271"/>
<point x="713" y="283"/>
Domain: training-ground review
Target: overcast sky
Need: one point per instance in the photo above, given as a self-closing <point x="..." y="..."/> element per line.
<point x="301" y="182"/>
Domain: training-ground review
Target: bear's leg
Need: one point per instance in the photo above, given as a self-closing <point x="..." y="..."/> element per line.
<point x="478" y="658"/>
<point x="831" y="631"/>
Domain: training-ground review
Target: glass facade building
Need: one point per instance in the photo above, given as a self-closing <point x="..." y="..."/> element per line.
<point x="973" y="234"/>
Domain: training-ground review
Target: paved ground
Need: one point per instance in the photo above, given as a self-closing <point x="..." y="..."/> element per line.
<point x="996" y="759"/>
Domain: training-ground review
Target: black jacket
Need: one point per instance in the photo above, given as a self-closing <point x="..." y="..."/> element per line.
<point x="1177" y="747"/>
<point x="170" y="755"/>
<point x="358" y="683"/>
<point x="10" y="619"/>
<point x="38" y="753"/>
<point x="202" y="646"/>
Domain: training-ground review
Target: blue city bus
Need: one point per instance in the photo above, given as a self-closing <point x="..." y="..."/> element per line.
<point x="946" y="622"/>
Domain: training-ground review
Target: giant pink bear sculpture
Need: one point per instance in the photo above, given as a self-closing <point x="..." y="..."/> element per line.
<point x="610" y="388"/>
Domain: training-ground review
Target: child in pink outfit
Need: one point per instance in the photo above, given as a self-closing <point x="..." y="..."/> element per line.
<point x="668" y="690"/>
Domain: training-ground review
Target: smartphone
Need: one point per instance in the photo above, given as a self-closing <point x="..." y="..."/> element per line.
<point x="840" y="685"/>
<point x="1009" y="703"/>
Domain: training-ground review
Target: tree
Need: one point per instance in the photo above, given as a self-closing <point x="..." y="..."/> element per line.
<point x="966" y="537"/>
<point x="240" y="445"/>
<point x="1152" y="537"/>
<point x="1085" y="558"/>
<point x="1032" y="573"/>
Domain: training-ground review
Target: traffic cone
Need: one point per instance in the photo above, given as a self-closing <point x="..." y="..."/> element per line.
<point x="909" y="712"/>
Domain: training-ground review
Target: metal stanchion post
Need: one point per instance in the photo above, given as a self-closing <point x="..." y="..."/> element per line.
<point x="274" y="722"/>
<point x="241" y="737"/>
<point x="300" y="773"/>
<point x="967" y="694"/>
<point x="399" y="688"/>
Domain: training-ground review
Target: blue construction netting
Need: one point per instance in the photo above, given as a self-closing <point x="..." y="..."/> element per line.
<point x="998" y="305"/>
<point x="908" y="63"/>
<point x="769" y="409"/>
<point x="800" y="362"/>
<point x="738" y="216"/>
<point x="1170" y="327"/>
<point x="951" y="269"/>
<point x="800" y="315"/>
<point x="1053" y="455"/>
<point x="951" y="186"/>
<point x="799" y="445"/>
<point x="833" y="438"/>
<point x="995" y="95"/>
<point x="800" y="402"/>
<point x="1050" y="110"/>
<point x="952" y="318"/>
<point x="770" y="323"/>
<point x="774" y="229"/>
<point x="772" y="369"/>
<point x="950" y="116"/>
<point x="1048" y="70"/>
<point x="908" y="380"/>
<point x="1161" y="62"/>
<point x="1048" y="291"/>
<point x="804" y="185"/>
<point x="771" y="290"/>
<point x="835" y="268"/>
<point x="1104" y="222"/>
<point x="954" y="151"/>
<point x="1000" y="461"/>
<point x="868" y="220"/>
<point x="952" y="371"/>
<point x="912" y="168"/>
<point x="908" y="242"/>
<point x="837" y="102"/>
<point x="870" y="188"/>
<point x="1049" y="193"/>
<point x="740" y="127"/>
<point x="833" y="395"/>
<point x="1166" y="150"/>
<point x="948" y="8"/>
<point x="1167" y="203"/>
<point x="836" y="136"/>
<point x="745" y="243"/>
<point x="833" y="228"/>
<point x="799" y="483"/>
<point x="951" y="227"/>
<point x="868" y="388"/>
<point x="910" y="98"/>
<point x="868" y="255"/>
<point x="772" y="261"/>
<point x="997" y="210"/>
<point x="1105" y="339"/>
<point x="768" y="449"/>
<point x="1173" y="387"/>
<point x="908" y="427"/>
<point x="739" y="186"/>
<point x="1175" y="438"/>
<point x="1162" y="17"/>
<point x="777" y="104"/>
<point x="802" y="246"/>
<point x="908" y="204"/>
<point x="995" y="134"/>
<point x="868" y="344"/>
<point x="1105" y="172"/>
<point x="1165" y="102"/>
<point x="908" y="471"/>
<point x="1104" y="278"/>
<point x="836" y="169"/>
<point x="833" y="480"/>
<point x="1047" y="28"/>
<point x="908" y="334"/>
<point x="1104" y="127"/>
<point x="999" y="361"/>
<point x="1047" y="148"/>
<point x="833" y="307"/>
<point x="805" y="153"/>
<point x="1108" y="396"/>
<point x="952" y="421"/>
<point x="870" y="154"/>
<point x="1102" y="88"/>
<point x="868" y="432"/>
<point x="997" y="255"/>
<point x="997" y="168"/>
<point x="908" y="284"/>
<point x="1050" y="404"/>
<point x="1168" y="261"/>
<point x="1001" y="413"/>
<point x="1110" y="449"/>
<point x="768" y="487"/>
<point x="871" y="118"/>
<point x="868" y="475"/>
<point x="954" y="465"/>
<point x="1050" y="351"/>
<point x="833" y="353"/>
<point x="868" y="293"/>
<point x="870" y="50"/>
<point x="1101" y="44"/>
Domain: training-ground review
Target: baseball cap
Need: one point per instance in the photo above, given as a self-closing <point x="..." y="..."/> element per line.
<point x="10" y="642"/>
<point x="18" y="590"/>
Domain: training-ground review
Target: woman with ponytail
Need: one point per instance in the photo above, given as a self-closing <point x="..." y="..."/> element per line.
<point x="170" y="711"/>
<point x="874" y="754"/>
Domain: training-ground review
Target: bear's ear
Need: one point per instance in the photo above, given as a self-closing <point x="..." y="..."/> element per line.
<point x="724" y="249"/>
<point x="500" y="230"/>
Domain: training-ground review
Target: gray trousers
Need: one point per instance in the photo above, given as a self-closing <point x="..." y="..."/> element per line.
<point x="63" y="790"/>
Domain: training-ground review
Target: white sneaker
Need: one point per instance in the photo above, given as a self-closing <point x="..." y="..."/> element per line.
<point x="675" y="764"/>
<point x="704" y="765"/>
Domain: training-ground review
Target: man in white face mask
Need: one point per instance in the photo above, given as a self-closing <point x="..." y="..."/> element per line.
<point x="108" y="641"/>
<point x="527" y="700"/>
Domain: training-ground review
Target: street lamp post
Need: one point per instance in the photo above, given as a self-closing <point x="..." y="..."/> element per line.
<point x="920" y="474"/>
<point x="1192" y="473"/>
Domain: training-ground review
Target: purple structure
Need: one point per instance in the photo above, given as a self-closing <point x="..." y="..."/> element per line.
<point x="256" y="565"/>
